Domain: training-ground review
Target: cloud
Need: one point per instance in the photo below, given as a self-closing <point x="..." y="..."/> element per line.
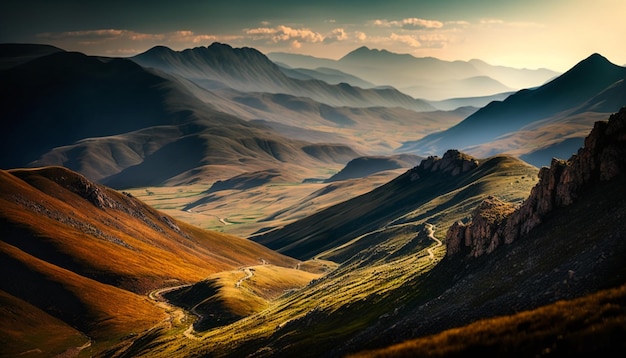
<point x="433" y="40"/>
<point x="420" y="24"/>
<point x="336" y="35"/>
<point x="458" y="23"/>
<point x="285" y="33"/>
<point x="189" y="36"/>
<point x="491" y="21"/>
<point x="90" y="37"/>
<point x="406" y="39"/>
<point x="421" y="41"/>
<point x="412" y="23"/>
<point x="94" y="37"/>
<point x="361" y="36"/>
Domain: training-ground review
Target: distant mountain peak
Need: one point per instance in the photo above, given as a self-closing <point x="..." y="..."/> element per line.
<point x="593" y="63"/>
<point x="366" y="52"/>
<point x="159" y="48"/>
<point x="219" y="45"/>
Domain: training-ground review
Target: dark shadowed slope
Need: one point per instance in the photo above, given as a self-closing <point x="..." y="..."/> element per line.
<point x="12" y="55"/>
<point x="588" y="79"/>
<point x="248" y="70"/>
<point x="58" y="99"/>
<point x="115" y="121"/>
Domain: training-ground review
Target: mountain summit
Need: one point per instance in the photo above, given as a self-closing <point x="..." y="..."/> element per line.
<point x="221" y="66"/>
<point x="586" y="80"/>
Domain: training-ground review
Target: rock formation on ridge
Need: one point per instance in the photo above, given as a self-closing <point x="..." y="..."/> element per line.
<point x="493" y="223"/>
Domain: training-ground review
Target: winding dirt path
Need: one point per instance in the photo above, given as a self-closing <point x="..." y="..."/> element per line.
<point x="174" y="312"/>
<point x="249" y="274"/>
<point x="431" y="234"/>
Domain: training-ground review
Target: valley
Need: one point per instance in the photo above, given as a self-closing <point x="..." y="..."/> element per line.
<point x="217" y="201"/>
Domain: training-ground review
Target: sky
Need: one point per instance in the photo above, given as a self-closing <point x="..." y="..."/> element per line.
<point x="554" y="34"/>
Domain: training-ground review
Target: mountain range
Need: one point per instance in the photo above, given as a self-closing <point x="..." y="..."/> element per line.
<point x="212" y="202"/>
<point x="425" y="77"/>
<point x="594" y="85"/>
<point x="248" y="70"/>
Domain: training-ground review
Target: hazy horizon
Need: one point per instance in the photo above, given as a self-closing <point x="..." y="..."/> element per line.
<point x="530" y="34"/>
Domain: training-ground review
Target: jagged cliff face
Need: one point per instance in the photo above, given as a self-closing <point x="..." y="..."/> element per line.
<point x="494" y="222"/>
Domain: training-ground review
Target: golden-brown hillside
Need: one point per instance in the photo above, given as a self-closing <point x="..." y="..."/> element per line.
<point x="81" y="256"/>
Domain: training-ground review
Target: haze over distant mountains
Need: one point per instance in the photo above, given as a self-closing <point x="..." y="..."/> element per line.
<point x="426" y="77"/>
<point x="549" y="116"/>
<point x="248" y="70"/>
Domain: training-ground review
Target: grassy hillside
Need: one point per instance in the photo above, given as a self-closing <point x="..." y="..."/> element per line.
<point x="593" y="324"/>
<point x="84" y="256"/>
<point x="558" y="292"/>
<point x="378" y="270"/>
<point x="417" y="196"/>
<point x="518" y="300"/>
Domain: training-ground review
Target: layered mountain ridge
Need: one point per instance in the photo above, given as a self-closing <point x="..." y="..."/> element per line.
<point x="424" y="77"/>
<point x="248" y="70"/>
<point x="538" y="117"/>
<point x="120" y="124"/>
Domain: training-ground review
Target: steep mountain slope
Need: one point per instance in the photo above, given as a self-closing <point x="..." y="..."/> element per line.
<point x="83" y="255"/>
<point x="439" y="186"/>
<point x="554" y="102"/>
<point x="12" y="55"/>
<point x="440" y="90"/>
<point x="247" y="70"/>
<point x="372" y="130"/>
<point x="118" y="123"/>
<point x="565" y="241"/>
<point x="478" y="102"/>
<point x="58" y="99"/>
<point x="400" y="286"/>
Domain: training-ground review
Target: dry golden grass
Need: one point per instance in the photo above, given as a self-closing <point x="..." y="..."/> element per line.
<point x="105" y="259"/>
<point x="244" y="212"/>
<point x="24" y="327"/>
<point x="102" y="312"/>
<point x="244" y="295"/>
<point x="152" y="250"/>
<point x="594" y="323"/>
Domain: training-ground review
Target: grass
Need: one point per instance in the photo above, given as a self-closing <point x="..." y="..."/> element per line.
<point x="88" y="261"/>
<point x="315" y="316"/>
<point x="24" y="328"/>
<point x="594" y="324"/>
<point x="251" y="210"/>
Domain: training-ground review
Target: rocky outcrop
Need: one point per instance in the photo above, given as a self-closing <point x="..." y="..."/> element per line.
<point x="484" y="233"/>
<point x="602" y="158"/>
<point x="452" y="163"/>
